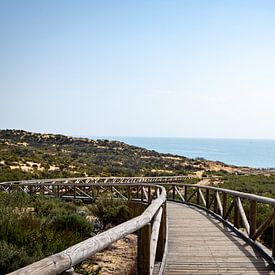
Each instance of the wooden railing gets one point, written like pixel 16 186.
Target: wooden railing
pixel 237 209
pixel 151 225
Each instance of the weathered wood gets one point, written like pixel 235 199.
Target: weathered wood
pixel 236 214
pixel 224 204
pixel 129 193
pixel 198 196
pixel 119 193
pixel 204 246
pixel 202 198
pixel 178 192
pixel 145 194
pixel 215 202
pixel 73 255
pixel 243 215
pixel 162 235
pixel 144 250
pixel 173 192
pixel 149 194
pixel 262 228
pixel 252 218
pixel 185 192
pixel 192 195
pixel 219 202
pixel 207 199
pixel 74 187
pixel 229 210
pixel 154 238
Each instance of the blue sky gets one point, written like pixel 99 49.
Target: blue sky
pixel 184 68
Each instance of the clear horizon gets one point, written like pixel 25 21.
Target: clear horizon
pixel 181 69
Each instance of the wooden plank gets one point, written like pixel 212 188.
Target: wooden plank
pixel 198 244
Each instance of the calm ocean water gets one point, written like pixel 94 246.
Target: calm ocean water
pixel 241 152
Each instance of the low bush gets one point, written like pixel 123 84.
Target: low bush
pixel 110 210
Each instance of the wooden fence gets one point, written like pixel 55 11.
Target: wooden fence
pixel 151 226
pixel 238 210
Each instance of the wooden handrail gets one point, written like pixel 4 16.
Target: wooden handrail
pixel 65 260
pixel 100 180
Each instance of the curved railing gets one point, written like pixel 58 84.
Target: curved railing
pixel 151 225
pixel 237 209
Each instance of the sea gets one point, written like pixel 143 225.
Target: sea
pixel 256 153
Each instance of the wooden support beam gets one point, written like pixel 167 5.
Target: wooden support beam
pixel 252 218
pixel 145 194
pixel 215 203
pixel 236 214
pixel 129 193
pixel 149 194
pixel 243 215
pixel 224 204
pixel 178 192
pixel 202 198
pixel 219 203
pixel 198 196
pixel 162 234
pixel 207 199
pixel 154 238
pixel 192 195
pixel 262 228
pixel 229 210
pixel 185 192
pixel 174 193
pixel 144 251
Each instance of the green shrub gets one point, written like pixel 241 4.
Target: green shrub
pixel 12 257
pixel 111 210
pixel 66 221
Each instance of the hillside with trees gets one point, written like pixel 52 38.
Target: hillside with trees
pixel 25 155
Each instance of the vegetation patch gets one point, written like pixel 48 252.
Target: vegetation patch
pixel 32 228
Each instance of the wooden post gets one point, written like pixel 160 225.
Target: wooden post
pixel 129 193
pixel 162 234
pixel 149 194
pixel 141 194
pixel 74 192
pixel 93 192
pixel 252 218
pixel 143 256
pixel 207 198
pixel 174 192
pixel 185 193
pixel 215 203
pixel 224 204
pixel 156 193
pixel 236 214
pixel 198 196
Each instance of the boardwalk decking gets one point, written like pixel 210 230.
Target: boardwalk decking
pixel 199 244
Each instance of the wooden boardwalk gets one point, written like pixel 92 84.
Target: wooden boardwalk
pixel 199 244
